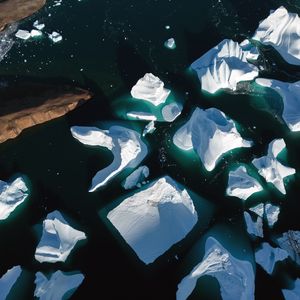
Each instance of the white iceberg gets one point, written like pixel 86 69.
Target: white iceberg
pixel 154 219
pixel 150 88
pixel 293 294
pixel 281 31
pixel 251 51
pixel 38 25
pixel 125 144
pixel 258 209
pixel 211 134
pixel 236 277
pixel 8 280
pixel 11 196
pixel 59 286
pixel 149 128
pixel 170 43
pixel 224 66
pixel 171 111
pixel 35 33
pixel 140 115
pixel 290 241
pixel 272 213
pixel 58 239
pixel 290 97
pixel 55 37
pixel 136 177
pixel 271 169
pixel 268 256
pixel 254 228
pixel 23 34
pixel 242 185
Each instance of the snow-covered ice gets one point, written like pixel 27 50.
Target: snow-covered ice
pixel 254 228
pixel 271 169
pixel 58 239
pixel 258 209
pixel 149 128
pixel 272 213
pixel 140 115
pixel 171 111
pixel 125 144
pixel 236 277
pixel 38 25
pixel 35 33
pixel 211 134
pixel 137 176
pixel 23 34
pixel 150 88
pixel 293 294
pixel 154 219
pixel 8 280
pixel 55 37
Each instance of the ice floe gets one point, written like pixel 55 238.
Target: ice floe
pixel 272 213
pixel 290 97
pixel 137 176
pixel 150 88
pixel 224 66
pixel 11 196
pixel 59 286
pixel 281 31
pixel 267 256
pixel 236 277
pixel 55 37
pixel 254 228
pixel 170 43
pixel 7 40
pixel 271 169
pixel 258 209
pixel 242 185
pixel 293 294
pixel 140 115
pixel 154 219
pixel 211 134
pixel 171 111
pixel 149 128
pixel 8 280
pixel 125 144
pixel 37 25
pixel 23 34
pixel 58 239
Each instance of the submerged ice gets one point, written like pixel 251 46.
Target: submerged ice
pixel 136 177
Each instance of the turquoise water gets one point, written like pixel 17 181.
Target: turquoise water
pixel 107 46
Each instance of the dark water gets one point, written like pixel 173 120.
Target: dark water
pixel 107 46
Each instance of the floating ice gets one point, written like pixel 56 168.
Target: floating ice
pixel 268 256
pixel 252 52
pixel 236 277
pixel 241 185
pixel 149 128
pixel 58 239
pixel 211 134
pixel 271 169
pixel 55 37
pixel 254 228
pixel 11 196
pixel 59 286
pixel 290 97
pixel 126 145
pixel 170 43
pixel 171 111
pixel 224 66
pixel 23 34
pixel 281 31
pixel 137 176
pixel 139 115
pixel 258 209
pixel 272 213
pixel 150 88
pixel 154 219
pixel 38 25
pixel 8 280
pixel 293 294
pixel 6 40
pixel 35 33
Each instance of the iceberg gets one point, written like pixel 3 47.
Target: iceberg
pixel 254 228
pixel 58 239
pixel 236 277
pixel 271 169
pixel 139 115
pixel 35 33
pixel 154 219
pixel 293 294
pixel 281 31
pixel 55 37
pixel 251 51
pixel 242 185
pixel 289 93
pixel 59 286
pixel 290 241
pixel 170 43
pixel 258 209
pixel 8 280
pixel 136 177
pixel 7 40
pixel 224 66
pixel 150 88
pixel 125 144
pixel 272 213
pixel 211 134
pixel 23 34
pixel 171 111
pixel 268 256
pixel 11 196
pixel 37 25
pixel 149 128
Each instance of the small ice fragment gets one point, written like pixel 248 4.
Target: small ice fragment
pixel 55 37
pixel 272 213
pixel 136 177
pixel 23 34
pixel 170 43
pixel 171 111
pixel 149 128
pixel 38 26
pixel 35 33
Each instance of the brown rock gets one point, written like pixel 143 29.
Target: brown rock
pixel 25 105
pixel 15 10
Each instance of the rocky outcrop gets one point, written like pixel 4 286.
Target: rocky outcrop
pixel 25 105
pixel 15 10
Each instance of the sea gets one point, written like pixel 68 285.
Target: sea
pixel 107 46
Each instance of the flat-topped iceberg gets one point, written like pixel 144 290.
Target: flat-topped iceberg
pixel 290 97
pixel 254 228
pixel 211 134
pixel 8 280
pixel 258 209
pixel 236 277
pixel 281 31
pixel 140 115
pixel 271 169
pixel 136 177
pixel 11 196
pixel 59 286
pixel 149 128
pixel 58 239
pixel 125 144
pixel 272 213
pixel 171 111
pixel 267 256
pixel 155 218
pixel 293 294
pixel 224 66
pixel 242 185
pixel 150 88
